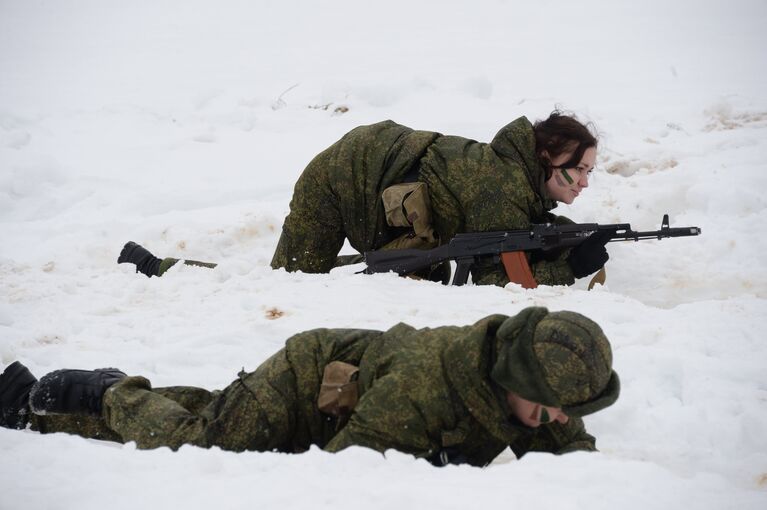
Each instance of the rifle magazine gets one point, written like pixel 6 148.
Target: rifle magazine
pixel 518 269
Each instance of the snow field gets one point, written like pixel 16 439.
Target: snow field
pixel 183 126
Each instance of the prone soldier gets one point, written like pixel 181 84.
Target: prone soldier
pixel 449 394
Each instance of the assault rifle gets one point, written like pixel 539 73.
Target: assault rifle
pixel 510 246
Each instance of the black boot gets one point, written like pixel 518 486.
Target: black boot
pixel 146 263
pixel 15 385
pixel 72 391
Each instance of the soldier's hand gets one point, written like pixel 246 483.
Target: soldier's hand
pixel 590 255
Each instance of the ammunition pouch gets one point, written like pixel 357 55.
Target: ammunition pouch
pixel 407 206
pixel 339 391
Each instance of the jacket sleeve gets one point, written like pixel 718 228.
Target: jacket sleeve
pixel 553 270
pixel 313 231
pixel 385 418
pixel 559 438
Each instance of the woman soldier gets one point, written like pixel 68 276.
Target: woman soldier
pixel 386 186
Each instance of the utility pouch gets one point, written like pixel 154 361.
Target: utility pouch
pixel 407 205
pixel 339 390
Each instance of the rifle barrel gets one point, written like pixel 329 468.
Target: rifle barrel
pixel 663 233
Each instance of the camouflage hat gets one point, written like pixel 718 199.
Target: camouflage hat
pixel 559 359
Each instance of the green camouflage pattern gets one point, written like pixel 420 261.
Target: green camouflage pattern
pixel 560 359
pixel 169 262
pixel 425 392
pixel 575 356
pixel 91 427
pixel 473 187
pixel 338 196
pixel 479 187
pixel 94 427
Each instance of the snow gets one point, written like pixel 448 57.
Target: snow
pixel 184 125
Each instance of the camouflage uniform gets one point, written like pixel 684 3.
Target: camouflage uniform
pixel 473 187
pixel 436 393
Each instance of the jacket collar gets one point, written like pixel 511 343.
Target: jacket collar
pixel 469 360
pixel 516 142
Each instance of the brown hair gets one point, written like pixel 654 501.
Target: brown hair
pixel 559 134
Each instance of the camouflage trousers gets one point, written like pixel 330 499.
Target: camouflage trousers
pixel 169 262
pixel 259 411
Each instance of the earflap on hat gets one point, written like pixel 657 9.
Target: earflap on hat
pixel 517 368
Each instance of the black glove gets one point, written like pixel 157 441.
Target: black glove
pixel 589 256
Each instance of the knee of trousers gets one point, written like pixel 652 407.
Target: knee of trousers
pixel 116 395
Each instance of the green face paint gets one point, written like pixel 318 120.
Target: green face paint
pixel 545 415
pixel 567 176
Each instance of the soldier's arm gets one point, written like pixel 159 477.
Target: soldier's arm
pixel 313 231
pixel 559 438
pixel 552 268
pixel 385 418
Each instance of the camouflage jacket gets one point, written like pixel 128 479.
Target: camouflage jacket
pixel 473 187
pixel 424 392
pixel 479 187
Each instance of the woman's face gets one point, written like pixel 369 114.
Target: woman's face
pixel 533 414
pixel 566 184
